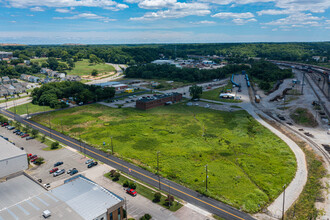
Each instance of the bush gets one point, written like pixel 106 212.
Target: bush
pixel 126 183
pixel 116 176
pixel 157 197
pixel 39 161
pixel 34 132
pixel 146 217
pixel 169 200
pixel 132 185
pixel 112 172
pixel 54 145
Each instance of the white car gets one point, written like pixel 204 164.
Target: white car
pixel 89 161
pixel 59 172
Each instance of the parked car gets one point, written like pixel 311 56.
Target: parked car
pixel 34 159
pixel 92 164
pixel 73 172
pixel 59 172
pixel 29 138
pixel 58 163
pixel 29 155
pixel 132 192
pixel 53 170
pixel 10 127
pixel 25 135
pixel 69 171
pixel 4 124
pixel 33 156
pixel 47 185
pixel 89 161
pixel 15 131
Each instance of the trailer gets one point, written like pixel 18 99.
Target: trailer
pixel 257 98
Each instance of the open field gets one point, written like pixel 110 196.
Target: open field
pixel 83 67
pixel 247 164
pixel 22 109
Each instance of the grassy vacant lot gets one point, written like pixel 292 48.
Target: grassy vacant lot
pixel 83 67
pixel 215 93
pixel 247 164
pixel 304 117
pixel 22 109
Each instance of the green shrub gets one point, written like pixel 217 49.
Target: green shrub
pixel 116 176
pixel 39 161
pixel 126 183
pixel 157 197
pixel 146 217
pixel 132 185
pixel 54 145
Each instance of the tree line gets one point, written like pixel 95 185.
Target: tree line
pixel 171 72
pixel 49 94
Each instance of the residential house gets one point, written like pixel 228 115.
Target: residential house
pixel 5 80
pixel 72 78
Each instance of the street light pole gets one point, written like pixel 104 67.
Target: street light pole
pixel 27 111
pixel 111 146
pixel 50 126
pixel 158 170
pixel 206 177
pixel 283 201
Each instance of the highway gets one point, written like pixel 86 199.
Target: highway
pixel 188 195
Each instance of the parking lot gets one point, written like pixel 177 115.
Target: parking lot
pixel 127 102
pixel 70 158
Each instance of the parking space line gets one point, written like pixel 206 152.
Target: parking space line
pixel 45 203
pixel 33 205
pixel 53 198
pixel 23 210
pixel 12 214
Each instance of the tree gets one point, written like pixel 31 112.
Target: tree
pixel 54 145
pixel 157 197
pixel 146 217
pixel 116 176
pixel 169 200
pixel 35 132
pixel 195 91
pixel 132 185
pixel 39 161
pixel 95 72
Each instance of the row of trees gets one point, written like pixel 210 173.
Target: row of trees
pixel 171 72
pixel 49 94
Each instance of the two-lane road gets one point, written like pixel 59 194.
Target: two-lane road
pixel 211 205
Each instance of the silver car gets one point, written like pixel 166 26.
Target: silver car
pixel 59 172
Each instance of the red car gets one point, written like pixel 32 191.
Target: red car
pixel 53 170
pixel 4 124
pixel 25 135
pixel 131 192
pixel 34 159
pixel 29 155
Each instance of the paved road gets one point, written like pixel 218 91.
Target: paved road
pixel 211 205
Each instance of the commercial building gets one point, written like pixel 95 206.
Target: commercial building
pixel 12 159
pixel 77 199
pixel 8 55
pixel 158 100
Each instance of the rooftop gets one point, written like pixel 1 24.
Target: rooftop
pixel 8 150
pixel 155 97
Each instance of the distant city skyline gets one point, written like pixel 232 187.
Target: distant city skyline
pixel 163 21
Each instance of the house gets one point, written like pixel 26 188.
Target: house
pixel 120 87
pixel 24 77
pixel 5 80
pixel 45 70
pixel 34 79
pixel 27 62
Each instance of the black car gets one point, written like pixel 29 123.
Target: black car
pixel 92 164
pixel 58 163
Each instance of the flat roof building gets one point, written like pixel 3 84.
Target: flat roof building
pixel 12 159
pixel 77 199
pixel 4 54
pixel 158 100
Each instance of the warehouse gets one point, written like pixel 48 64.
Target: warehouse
pixel 158 100
pixel 12 159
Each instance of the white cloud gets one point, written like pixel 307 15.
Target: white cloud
pixel 203 22
pixel 12 21
pixel 274 12
pixel 225 15
pixel 64 3
pixel 37 9
pixel 157 4
pixel 296 20
pixel 177 10
pixel 63 10
pixel 89 16
pixel 240 21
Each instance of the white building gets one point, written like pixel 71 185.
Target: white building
pixel 12 159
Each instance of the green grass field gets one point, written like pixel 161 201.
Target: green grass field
pixel 247 164
pixel 215 93
pixel 85 68
pixel 22 109
pixel 304 117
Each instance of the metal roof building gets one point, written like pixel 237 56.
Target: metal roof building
pixel 12 159
pixel 88 199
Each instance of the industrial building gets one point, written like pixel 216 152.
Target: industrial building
pixel 12 159
pixel 77 199
pixel 158 100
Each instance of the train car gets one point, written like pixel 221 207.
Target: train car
pixel 257 98
pixel 232 81
pixel 248 83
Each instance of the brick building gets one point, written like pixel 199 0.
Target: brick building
pixel 158 100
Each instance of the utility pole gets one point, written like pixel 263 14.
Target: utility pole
pixel 206 177
pixel 169 193
pixel 50 126
pixel 111 146
pixel 158 170
pixel 303 82
pixel 283 201
pixel 27 111
pixel 62 125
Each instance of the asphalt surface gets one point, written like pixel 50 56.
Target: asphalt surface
pixel 211 205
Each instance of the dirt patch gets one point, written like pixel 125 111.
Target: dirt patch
pixel 303 116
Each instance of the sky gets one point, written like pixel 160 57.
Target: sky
pixel 163 21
